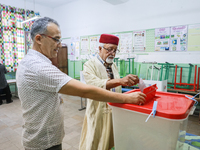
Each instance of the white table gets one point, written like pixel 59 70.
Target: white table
pixel 13 81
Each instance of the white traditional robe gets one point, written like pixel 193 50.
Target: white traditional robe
pixel 97 131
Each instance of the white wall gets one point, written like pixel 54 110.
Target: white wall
pixel 44 10
pixel 89 17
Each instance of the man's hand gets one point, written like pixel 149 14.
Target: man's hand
pixel 135 98
pixel 129 80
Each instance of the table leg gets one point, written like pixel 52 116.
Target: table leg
pixel 82 107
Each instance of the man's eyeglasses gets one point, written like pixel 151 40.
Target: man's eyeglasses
pixel 112 50
pixel 58 41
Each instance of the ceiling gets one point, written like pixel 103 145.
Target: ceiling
pixel 116 2
pixel 50 3
pixel 56 3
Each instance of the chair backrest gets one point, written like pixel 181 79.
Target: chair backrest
pixel 82 77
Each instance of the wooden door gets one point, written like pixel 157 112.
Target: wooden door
pixel 61 61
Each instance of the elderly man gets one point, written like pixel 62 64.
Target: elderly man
pixel 4 87
pixel 97 132
pixel 39 83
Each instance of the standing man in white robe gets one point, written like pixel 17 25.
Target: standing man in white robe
pixel 97 130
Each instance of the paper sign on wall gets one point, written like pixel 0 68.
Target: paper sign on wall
pixel 178 39
pixel 126 43
pixel 162 36
pixel 94 46
pixel 194 37
pixel 139 40
pixel 84 48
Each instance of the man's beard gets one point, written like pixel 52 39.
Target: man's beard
pixel 109 60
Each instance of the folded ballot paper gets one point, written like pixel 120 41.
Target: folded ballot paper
pixel 141 85
pixel 149 91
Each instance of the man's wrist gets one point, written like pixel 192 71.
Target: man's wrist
pixel 119 82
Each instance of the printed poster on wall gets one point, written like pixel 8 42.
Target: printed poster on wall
pixel 94 46
pixel 71 52
pixel 139 40
pixel 194 37
pixel 162 36
pixel 74 51
pixel 126 42
pixel 77 50
pixel 125 45
pixel 84 48
pixel 178 38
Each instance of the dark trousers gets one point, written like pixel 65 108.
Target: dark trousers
pixel 57 147
pixel 8 95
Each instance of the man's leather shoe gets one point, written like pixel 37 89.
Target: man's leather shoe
pixel 10 101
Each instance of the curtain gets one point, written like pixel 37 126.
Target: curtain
pixel 12 35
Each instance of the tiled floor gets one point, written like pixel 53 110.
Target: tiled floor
pixel 11 122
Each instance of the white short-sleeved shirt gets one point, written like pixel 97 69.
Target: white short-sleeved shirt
pixel 38 83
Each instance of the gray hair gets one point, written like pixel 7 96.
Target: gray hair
pixel 102 44
pixel 40 26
